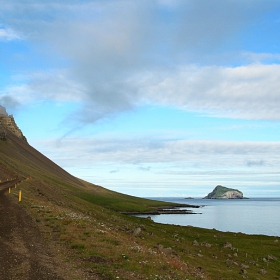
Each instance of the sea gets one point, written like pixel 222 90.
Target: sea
pixel 250 216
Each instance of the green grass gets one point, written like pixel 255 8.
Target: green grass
pixel 123 203
pixel 78 246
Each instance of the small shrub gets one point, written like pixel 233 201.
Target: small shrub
pixel 78 246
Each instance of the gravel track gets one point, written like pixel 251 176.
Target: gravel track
pixel 23 252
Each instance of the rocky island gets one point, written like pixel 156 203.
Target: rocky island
pixel 221 192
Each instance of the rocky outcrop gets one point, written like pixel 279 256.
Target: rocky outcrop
pixel 3 133
pixel 221 192
pixel 7 122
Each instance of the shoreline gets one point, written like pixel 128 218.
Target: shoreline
pixel 164 210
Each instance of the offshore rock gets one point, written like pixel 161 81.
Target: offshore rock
pixel 221 192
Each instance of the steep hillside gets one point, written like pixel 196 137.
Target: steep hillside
pixel 20 159
pixel 23 159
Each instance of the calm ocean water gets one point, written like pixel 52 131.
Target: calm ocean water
pixel 251 216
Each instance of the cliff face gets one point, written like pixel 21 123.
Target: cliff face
pixel 221 192
pixel 8 122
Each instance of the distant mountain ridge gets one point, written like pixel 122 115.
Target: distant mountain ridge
pixel 221 192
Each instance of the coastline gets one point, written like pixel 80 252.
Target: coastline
pixel 164 210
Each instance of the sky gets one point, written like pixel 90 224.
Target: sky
pixel 151 98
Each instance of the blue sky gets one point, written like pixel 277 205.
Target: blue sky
pixel 148 98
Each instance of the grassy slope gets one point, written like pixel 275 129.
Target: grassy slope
pixel 77 216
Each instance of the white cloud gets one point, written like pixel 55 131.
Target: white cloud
pixel 48 85
pixel 55 86
pixel 261 57
pixel 7 34
pixel 187 153
pixel 249 92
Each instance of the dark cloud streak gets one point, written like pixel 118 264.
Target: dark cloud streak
pixel 9 102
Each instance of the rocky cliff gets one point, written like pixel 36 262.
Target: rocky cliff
pixel 221 192
pixel 8 122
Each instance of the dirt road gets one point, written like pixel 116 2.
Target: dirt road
pixel 23 252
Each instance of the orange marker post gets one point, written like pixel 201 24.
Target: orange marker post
pixel 19 196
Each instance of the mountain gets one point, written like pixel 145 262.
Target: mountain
pixel 221 192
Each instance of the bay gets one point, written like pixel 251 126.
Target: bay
pixel 250 216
